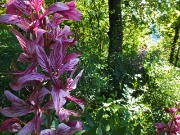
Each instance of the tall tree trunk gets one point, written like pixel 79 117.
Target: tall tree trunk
pixel 115 45
pixel 176 36
pixel 177 57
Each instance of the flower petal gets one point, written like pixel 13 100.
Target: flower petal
pixel 15 127
pixel 64 114
pixel 20 38
pixel 8 124
pixel 58 96
pixel 14 111
pixel 56 57
pixel 14 19
pixel 56 7
pixel 42 59
pixel 23 5
pixel 39 36
pixel 48 105
pixel 14 99
pixel 36 5
pixel 36 98
pixel 24 57
pixel 71 84
pixel 68 66
pixel 11 9
pixel 43 92
pixel 62 129
pixel 29 69
pixel 14 85
pixel 27 129
pixel 78 101
pixel 73 13
pixel 48 132
pixel 71 56
pixel 75 126
pixel 69 128
pixel 55 21
pixel 31 77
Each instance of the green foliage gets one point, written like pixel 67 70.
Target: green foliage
pixel 93 44
pixel 123 117
pixel 9 51
pixel 163 85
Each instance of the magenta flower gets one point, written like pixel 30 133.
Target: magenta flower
pixel 11 124
pixel 160 127
pixel 171 110
pixel 173 126
pixel 64 129
pixel 20 108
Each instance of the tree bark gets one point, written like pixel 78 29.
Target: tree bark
pixel 115 45
pixel 176 36
pixel 177 57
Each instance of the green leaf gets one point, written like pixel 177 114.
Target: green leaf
pixel 137 130
pixel 79 132
pixel 89 119
pixel 70 105
pixel 99 130
pixel 103 129
pixel 86 127
pixel 99 114
pixel 92 131
pixel 109 100
pixel 119 131
pixel 55 123
pixel 6 133
pixel 108 127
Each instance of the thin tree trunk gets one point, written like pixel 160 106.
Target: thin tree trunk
pixel 115 45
